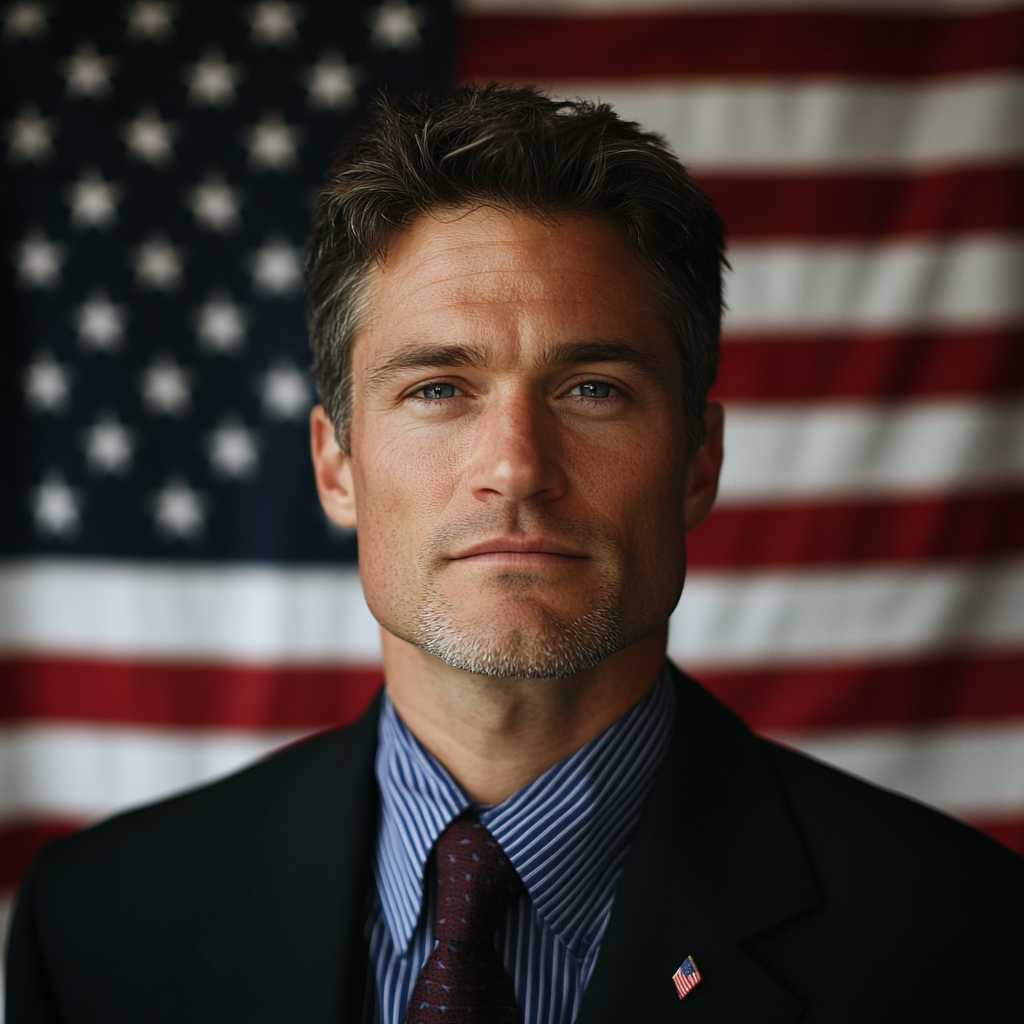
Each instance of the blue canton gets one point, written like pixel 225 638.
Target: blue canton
pixel 567 833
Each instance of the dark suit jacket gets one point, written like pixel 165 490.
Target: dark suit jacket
pixel 803 895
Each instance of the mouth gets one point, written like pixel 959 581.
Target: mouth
pixel 521 552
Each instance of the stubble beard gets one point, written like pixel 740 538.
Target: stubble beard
pixel 549 647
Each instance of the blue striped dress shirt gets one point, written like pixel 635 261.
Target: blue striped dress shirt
pixel 567 833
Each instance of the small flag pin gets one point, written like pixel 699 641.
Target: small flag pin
pixel 687 978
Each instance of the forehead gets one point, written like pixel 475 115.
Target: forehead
pixel 503 273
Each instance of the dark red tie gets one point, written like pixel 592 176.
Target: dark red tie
pixel 464 979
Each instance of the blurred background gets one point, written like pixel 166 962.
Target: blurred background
pixel 172 601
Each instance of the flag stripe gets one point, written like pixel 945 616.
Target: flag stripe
pixel 685 44
pixel 774 618
pixel 974 688
pixel 865 206
pixel 923 363
pixel 586 9
pixel 969 280
pixel 761 127
pixel 901 531
pixel 778 454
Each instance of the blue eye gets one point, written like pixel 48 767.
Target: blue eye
pixel 433 391
pixel 593 389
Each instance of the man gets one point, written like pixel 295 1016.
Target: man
pixel 515 307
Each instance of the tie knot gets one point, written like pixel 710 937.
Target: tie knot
pixel 476 882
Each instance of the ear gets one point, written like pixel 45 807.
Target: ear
pixel 332 468
pixel 703 469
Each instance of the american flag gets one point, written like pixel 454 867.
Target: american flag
pixel 172 601
pixel 687 978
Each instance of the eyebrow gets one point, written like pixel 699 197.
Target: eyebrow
pixel 428 357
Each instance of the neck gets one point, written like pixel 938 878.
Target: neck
pixel 495 736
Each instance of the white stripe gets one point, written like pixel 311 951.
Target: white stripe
pixel 241 614
pixel 778 454
pixel 592 8
pixel 85 772
pixel 972 280
pixel 736 620
pixel 763 126
pixel 968 770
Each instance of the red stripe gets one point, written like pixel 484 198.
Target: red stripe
pixel 85 690
pixel 904 531
pixel 20 843
pixel 934 363
pixel 560 49
pixel 976 688
pixel 1008 831
pixel 861 206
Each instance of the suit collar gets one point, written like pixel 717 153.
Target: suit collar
pixel 716 859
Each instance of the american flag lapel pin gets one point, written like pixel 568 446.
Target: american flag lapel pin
pixel 687 978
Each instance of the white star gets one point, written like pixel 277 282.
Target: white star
pixel 39 260
pixel 100 323
pixel 47 384
pixel 26 20
pixel 272 143
pixel 88 74
pixel 331 83
pixel 286 392
pixel 178 511
pixel 30 137
pixel 150 19
pixel 157 264
pixel 277 268
pixel 93 200
pixel 55 507
pixel 220 324
pixel 233 450
pixel 395 25
pixel 214 203
pixel 149 138
pixel 273 22
pixel 109 445
pixel 212 81
pixel 166 388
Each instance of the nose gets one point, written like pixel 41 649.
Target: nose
pixel 516 452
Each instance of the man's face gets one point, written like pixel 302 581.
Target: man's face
pixel 518 454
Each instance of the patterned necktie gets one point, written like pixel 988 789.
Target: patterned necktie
pixel 464 979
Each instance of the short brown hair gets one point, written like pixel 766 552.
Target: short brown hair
pixel 515 149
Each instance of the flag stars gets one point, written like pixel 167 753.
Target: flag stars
pixel 166 388
pixel 331 83
pixel 233 450
pixel 215 204
pixel 277 268
pixel 179 511
pixel 272 143
pixel 152 20
pixel 220 325
pixel 274 22
pixel 26 21
pixel 56 507
pixel 149 138
pixel 39 260
pixel 213 81
pixel 47 384
pixel 395 25
pixel 109 446
pixel 93 201
pixel 30 137
pixel 100 323
pixel 158 264
pixel 285 392
pixel 88 74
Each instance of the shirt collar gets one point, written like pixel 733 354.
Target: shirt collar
pixel 567 833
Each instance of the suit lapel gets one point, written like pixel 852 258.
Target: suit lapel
pixel 716 859
pixel 286 935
